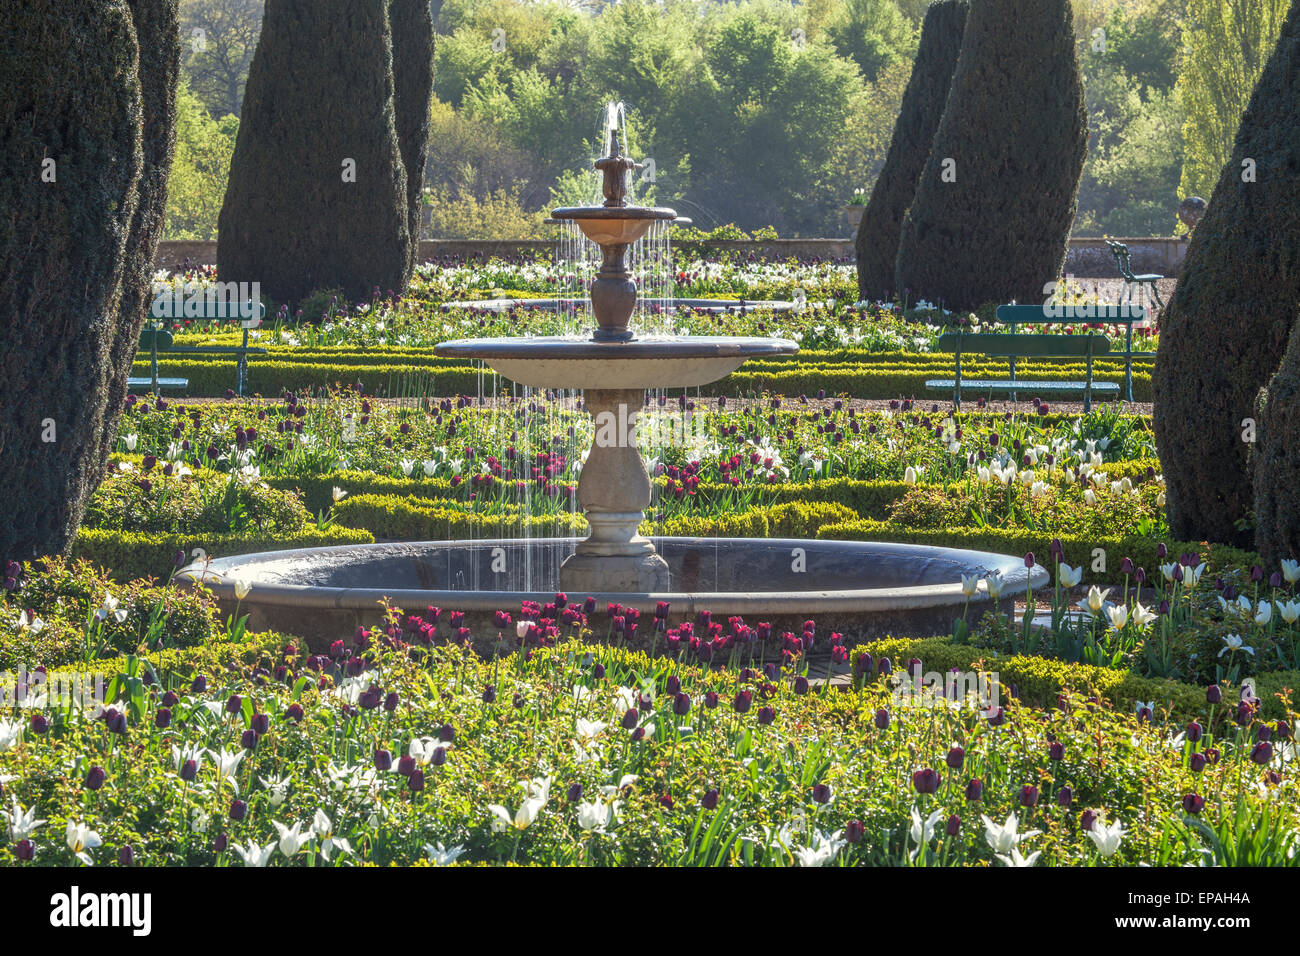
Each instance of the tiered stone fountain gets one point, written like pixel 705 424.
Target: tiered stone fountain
pixel 613 368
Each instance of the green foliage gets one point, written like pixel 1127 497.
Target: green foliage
pixel 876 244
pixel 1015 126
pixel 1237 304
pixel 873 34
pixel 200 169
pixel 213 503
pixel 131 555
pixel 216 61
pixel 1228 43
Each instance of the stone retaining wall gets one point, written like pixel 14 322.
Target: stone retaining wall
pixel 1086 258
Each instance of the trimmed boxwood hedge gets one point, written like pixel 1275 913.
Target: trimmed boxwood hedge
pixel 415 518
pixel 1039 680
pixel 129 555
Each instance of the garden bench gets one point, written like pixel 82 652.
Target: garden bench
pixel 214 311
pixel 1125 315
pixel 1010 345
pixel 1121 254
pixel 154 341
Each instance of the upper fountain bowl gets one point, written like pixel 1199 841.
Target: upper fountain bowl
pixel 614 225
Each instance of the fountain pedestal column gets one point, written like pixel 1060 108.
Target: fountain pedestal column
pixel 614 491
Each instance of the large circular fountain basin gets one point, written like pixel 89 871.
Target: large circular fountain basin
pixel 651 362
pixel 864 590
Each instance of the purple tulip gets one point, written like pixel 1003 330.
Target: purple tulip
pixel 95 779
pixel 926 780
pixel 1193 803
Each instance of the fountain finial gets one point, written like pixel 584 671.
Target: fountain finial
pixel 615 166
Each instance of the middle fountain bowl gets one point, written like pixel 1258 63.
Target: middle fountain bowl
pixel 613 368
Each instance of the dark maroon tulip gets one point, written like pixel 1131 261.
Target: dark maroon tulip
pixel 926 780
pixel 1193 803
pixel 235 704
pixel 294 712
pixel 383 760
pixel 914 667
pixel 1197 762
pixel 575 793
pixel 1056 751
pixel 220 843
pixel 25 851
pixel 882 719
pixel 1264 733
pixel 631 718
pixel 126 855
pixel 416 780
pixel 489 694
pixel 1244 713
pixel 260 724
pixel 1212 754
pixel 447 733
pixel 1029 560
pixel 189 770
pixel 710 799
pixel 117 723
pixel 854 830
pixel 1064 797
pixel 821 793
pixel 1262 753
pixel 666 801
pixel 518 701
pixel 711 699
pixel 162 719
pixel 766 715
pixel 40 723
pixel 248 739
pixel 406 765
pixel 682 705
pixel 956 758
pixel 238 810
pixel 170 699
pixel 1028 795
pixel 1087 819
pixel 801 685
pixel 1213 694
pixel 885 666
pixel 598 672
pixel 95 779
pixel 673 684
pixel 954 825
pixel 1194 732
pixel 742 702
pixel 439 757
pixel 997 716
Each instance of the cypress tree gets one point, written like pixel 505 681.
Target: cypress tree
pixel 317 191
pixel 1277 461
pixel 993 209
pixel 918 118
pixel 71 233
pixel 158 36
pixel 1226 328
pixel 412 27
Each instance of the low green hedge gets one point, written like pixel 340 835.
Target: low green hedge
pixel 415 518
pixel 1039 680
pixel 129 555
pixel 183 663
pixel 1079 550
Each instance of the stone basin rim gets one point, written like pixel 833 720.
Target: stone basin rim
pixel 865 600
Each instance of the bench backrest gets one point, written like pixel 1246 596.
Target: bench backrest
pixel 1029 314
pixel 155 340
pixel 1002 344
pixel 1122 261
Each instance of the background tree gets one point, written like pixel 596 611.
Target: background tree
pixel 1014 136
pixel 218 55
pixel 873 34
pixel 412 28
pixel 1227 44
pixel 317 194
pixel 72 237
pixel 200 168
pixel 1225 330
pixel 876 243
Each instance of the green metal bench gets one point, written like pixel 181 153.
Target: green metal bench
pixel 215 311
pixel 154 341
pixel 1121 254
pixel 1013 346
pixel 1126 315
